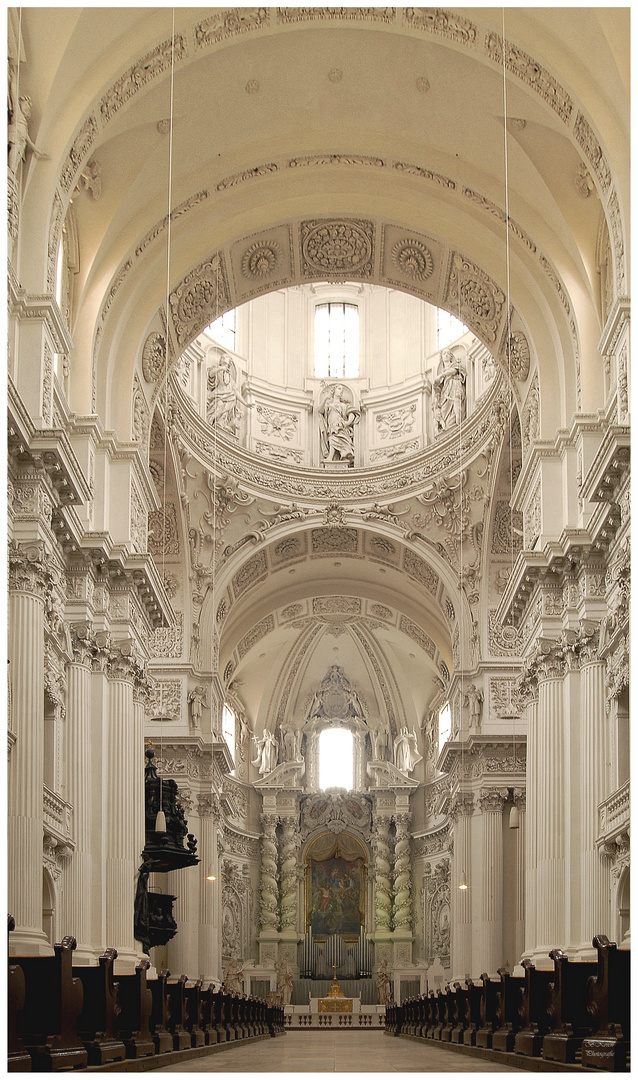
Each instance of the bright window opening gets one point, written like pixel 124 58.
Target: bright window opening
pixel 336 341
pixel 448 329
pixel 336 762
pixel 445 725
pixel 228 729
pixel 224 330
pixel 58 272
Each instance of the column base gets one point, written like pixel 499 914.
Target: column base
pixel 25 942
pixel 127 961
pixel 85 956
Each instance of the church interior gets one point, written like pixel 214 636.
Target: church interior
pixel 318 519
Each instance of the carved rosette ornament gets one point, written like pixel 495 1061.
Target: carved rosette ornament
pixel 269 891
pixel 412 258
pixel 518 357
pixel 382 901
pixel 337 247
pixel 261 260
pixel 154 357
pixel 402 892
pixel 289 873
pixel 476 299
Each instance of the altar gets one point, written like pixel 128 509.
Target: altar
pixel 335 1001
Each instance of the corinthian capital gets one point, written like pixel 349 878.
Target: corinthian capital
pixel 30 569
pixel 492 800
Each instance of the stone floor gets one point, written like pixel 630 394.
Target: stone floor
pixel 338 1051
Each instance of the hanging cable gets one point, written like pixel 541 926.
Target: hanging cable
pixel 160 820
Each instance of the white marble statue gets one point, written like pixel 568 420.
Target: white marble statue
pixel 196 702
pixel 233 977
pixel 284 981
pixel 448 404
pixel 223 402
pixel 474 699
pixel 337 417
pixel 18 131
pixel 267 753
pixel 384 986
pixel 406 753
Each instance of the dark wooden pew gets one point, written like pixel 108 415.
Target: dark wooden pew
pixel 534 1018
pixel 161 1013
pixel 195 1013
pixel 487 1010
pixel 507 1018
pixel 608 1005
pixel 53 1001
pixel 136 1004
pixel 449 1007
pixel 570 1022
pixel 472 1012
pixel 178 1013
pixel 18 1057
pixel 219 1016
pixel 98 1021
pixel 460 1009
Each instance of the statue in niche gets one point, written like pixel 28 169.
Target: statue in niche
pixel 380 743
pixel 384 986
pixel 267 753
pixel 18 131
pixel 449 388
pixel 223 399
pixel 337 417
pixel 196 704
pixel 336 698
pixel 291 743
pixel 474 699
pixel 406 753
pixel 233 977
pixel 284 981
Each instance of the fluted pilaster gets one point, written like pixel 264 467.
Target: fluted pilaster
pixel 594 902
pixel 124 831
pixel 461 813
pixel 550 816
pixel 490 942
pixel 209 949
pixel 26 776
pixel 531 849
pixel 78 899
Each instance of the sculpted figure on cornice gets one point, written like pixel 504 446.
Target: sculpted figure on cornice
pixel 337 811
pixel 336 698
pixel 18 138
pixel 267 753
pixel 224 405
pixel 406 753
pixel 337 417
pixel 449 389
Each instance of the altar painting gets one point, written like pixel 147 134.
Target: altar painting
pixel 336 896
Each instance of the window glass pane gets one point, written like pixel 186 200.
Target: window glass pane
pixel 336 341
pixel 445 725
pixel 228 729
pixel 448 329
pixel 224 329
pixel 335 759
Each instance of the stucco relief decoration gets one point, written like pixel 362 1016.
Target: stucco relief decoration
pixel 282 425
pixel 502 692
pixel 251 571
pixel 229 23
pixel 166 700
pixel 259 630
pixel 436 912
pixel 224 403
pixel 141 414
pixel 201 297
pixel 282 454
pixel 442 23
pixel 416 566
pixel 261 260
pixel 326 541
pixel 507 530
pixel 163 537
pixel 529 71
pixel 398 422
pixel 476 300
pixel 337 247
pixel 502 640
pixel 335 159
pixel 336 699
pixel 588 141
pixel 366 14
pixel 154 357
pixel 139 522
pixel 417 634
pixel 168 641
pixel 81 146
pixel 389 453
pixel 342 811
pixel 330 605
pixel 518 356
pixel 412 258
pixel 153 64
pixel 530 423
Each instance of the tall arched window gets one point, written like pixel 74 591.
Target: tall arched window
pixel 228 730
pixel 336 759
pixel 336 341
pixel 445 725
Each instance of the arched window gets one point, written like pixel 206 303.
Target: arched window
pixel 224 330
pixel 336 341
pixel 228 730
pixel 445 725
pixel 448 328
pixel 336 759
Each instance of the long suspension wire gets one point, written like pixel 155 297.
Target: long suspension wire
pixel 168 286
pixel 509 331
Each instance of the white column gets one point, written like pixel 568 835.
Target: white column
pixel 551 915
pixel 489 954
pixel 78 899
pixel 183 948
pixel 28 581
pixel 209 948
pixel 291 841
pixel 594 901
pixel 461 813
pixel 269 887
pixel 531 853
pixel 521 884
pixel 402 885
pixel 124 827
pixel 382 868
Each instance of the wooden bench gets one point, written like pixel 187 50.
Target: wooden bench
pixel 53 1001
pixel 160 1013
pixel 507 1017
pixel 97 1023
pixel 18 1057
pixel 534 1018
pixel 570 1022
pixel 136 1004
pixel 608 1004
